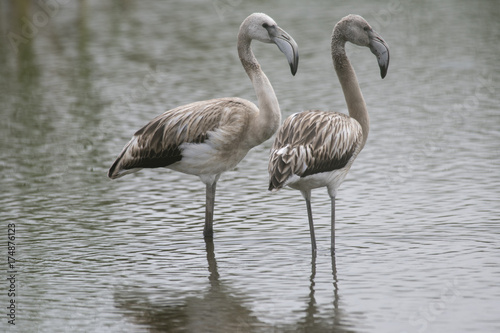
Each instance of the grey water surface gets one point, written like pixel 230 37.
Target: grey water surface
pixel 418 217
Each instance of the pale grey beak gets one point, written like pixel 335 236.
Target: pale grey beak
pixel 380 49
pixel 286 44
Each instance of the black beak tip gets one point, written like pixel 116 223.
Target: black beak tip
pixel 383 72
pixel 294 66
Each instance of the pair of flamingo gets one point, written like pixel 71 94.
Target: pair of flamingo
pixel 312 148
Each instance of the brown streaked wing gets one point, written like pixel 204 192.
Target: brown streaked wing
pixel 158 143
pixel 312 142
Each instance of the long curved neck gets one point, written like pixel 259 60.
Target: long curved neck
pixel 350 86
pixel 269 118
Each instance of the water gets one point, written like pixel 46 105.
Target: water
pixel 418 216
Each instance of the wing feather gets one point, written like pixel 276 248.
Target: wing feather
pixel 159 143
pixel 312 142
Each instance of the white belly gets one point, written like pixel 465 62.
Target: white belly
pixel 331 179
pixel 205 159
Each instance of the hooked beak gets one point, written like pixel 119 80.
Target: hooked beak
pixel 380 49
pixel 287 45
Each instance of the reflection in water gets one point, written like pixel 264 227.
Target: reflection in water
pixel 336 311
pixel 56 114
pixel 404 230
pixel 22 40
pixel 218 309
pixel 24 75
pixel 314 321
pixel 82 79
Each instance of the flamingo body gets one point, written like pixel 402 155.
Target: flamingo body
pixel 207 138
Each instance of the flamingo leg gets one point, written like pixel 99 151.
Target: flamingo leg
pixel 208 231
pixel 333 226
pixel 307 197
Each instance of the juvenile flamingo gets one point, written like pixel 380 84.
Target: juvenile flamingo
pixel 316 148
pixel 209 137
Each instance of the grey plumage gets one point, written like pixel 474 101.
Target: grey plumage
pixel 313 142
pixel 158 144
pixel 210 137
pixel 315 148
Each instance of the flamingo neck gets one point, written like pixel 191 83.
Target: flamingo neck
pixel 350 86
pixel 269 117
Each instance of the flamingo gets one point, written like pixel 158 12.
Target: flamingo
pixel 316 148
pixel 209 137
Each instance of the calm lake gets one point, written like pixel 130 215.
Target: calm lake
pixel 418 217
